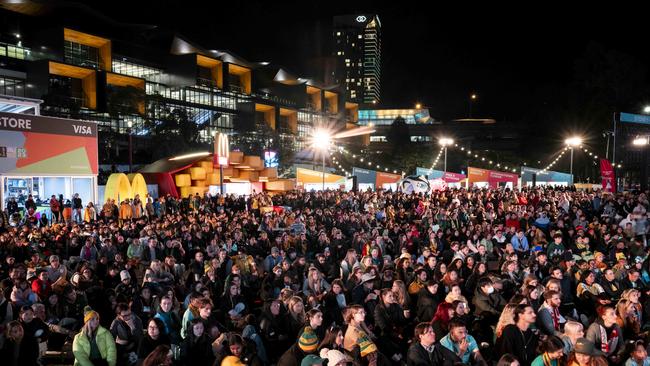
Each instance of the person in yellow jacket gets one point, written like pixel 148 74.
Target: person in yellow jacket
pixel 93 345
pixel 126 212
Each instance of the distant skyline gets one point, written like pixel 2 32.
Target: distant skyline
pixel 438 57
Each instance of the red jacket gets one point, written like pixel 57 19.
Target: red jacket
pixel 42 288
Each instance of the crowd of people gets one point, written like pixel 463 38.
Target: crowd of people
pixel 539 276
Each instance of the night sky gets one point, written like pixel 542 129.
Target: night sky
pixel 515 59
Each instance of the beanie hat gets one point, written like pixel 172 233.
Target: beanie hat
pixel 89 313
pixel 308 341
pixel 125 275
pixel 231 361
pixel 366 346
pixel 333 356
pixel 311 360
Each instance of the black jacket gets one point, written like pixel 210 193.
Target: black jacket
pixel 441 356
pixel 522 345
pixel 427 305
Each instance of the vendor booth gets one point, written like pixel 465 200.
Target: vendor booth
pixel 365 178
pixel 45 156
pixel 544 178
pixel 312 180
pixel 452 180
pixel 185 175
pixel 375 180
pixel 483 178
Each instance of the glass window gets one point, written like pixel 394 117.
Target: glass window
pixel 83 186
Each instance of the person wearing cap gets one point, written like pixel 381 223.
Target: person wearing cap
pixel 93 345
pixel 364 293
pixel 585 353
pixel 125 290
pixel 312 360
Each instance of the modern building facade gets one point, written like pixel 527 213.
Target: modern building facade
pixel 128 80
pixel 357 48
pixel 500 141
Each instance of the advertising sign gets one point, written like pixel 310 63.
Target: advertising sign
pixel 364 176
pixel 548 177
pixel 493 178
pixel 448 177
pixel 47 145
pixel 609 177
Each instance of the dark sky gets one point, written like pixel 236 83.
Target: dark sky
pixel 510 56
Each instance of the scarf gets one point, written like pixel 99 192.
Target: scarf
pixel 607 340
pixel 546 359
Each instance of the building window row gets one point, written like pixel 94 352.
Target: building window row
pixel 81 55
pixel 11 86
pixel 12 51
pixel 132 69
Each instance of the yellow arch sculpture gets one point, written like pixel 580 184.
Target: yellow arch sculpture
pixel 138 186
pixel 118 188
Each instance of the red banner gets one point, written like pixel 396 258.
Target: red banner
pixel 609 178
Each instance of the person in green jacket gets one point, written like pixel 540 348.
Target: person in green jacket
pixel 93 345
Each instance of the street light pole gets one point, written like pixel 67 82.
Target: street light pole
pixel 445 158
pixel 445 142
pixel 129 130
pixel 571 166
pixel 572 142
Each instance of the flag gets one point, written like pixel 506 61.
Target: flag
pixel 609 178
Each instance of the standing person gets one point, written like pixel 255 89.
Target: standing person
pixel 76 208
pixel 55 208
pixel 423 350
pixel 94 344
pixel 18 349
pixel 518 339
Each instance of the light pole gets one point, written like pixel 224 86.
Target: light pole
pixel 129 130
pixel 642 142
pixel 320 142
pixel 444 142
pixel 572 142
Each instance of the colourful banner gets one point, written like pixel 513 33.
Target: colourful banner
pixel 492 177
pixel 548 176
pixel 448 177
pixel 364 176
pixel 386 178
pixel 33 145
pixel 609 177
pixel 314 176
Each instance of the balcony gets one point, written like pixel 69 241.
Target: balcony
pixel 206 82
pixel 236 89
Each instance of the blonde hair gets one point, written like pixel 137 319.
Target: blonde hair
pixel 298 316
pixel 571 329
pixel 507 317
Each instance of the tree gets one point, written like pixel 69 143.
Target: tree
pixel 398 135
pixel 172 129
